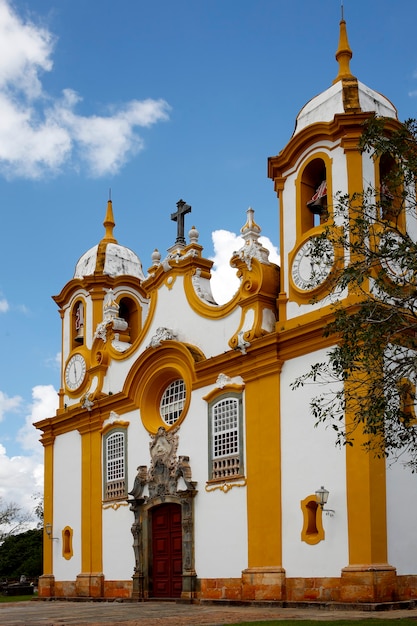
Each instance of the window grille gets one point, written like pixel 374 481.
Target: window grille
pixel 172 402
pixel 115 466
pixel 225 439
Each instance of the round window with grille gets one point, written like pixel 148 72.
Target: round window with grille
pixel 172 402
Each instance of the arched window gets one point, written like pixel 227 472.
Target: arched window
pixel 390 190
pixel 172 401
pixel 130 312
pixel 313 192
pixel 114 452
pixel 225 437
pixel 77 324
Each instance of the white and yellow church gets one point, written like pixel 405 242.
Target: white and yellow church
pixel 180 463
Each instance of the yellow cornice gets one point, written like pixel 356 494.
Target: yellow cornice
pixel 99 346
pixel 116 424
pixel 177 267
pixel 317 133
pixel 304 335
pixel 262 357
pixel 219 391
pixel 96 284
pixel 204 309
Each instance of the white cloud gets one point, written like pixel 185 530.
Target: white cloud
pixel 105 143
pixel 40 135
pixel 21 476
pixel 8 404
pixel 4 305
pixel 25 50
pixel 224 282
pixel 45 404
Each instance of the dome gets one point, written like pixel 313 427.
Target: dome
pixel 346 95
pixel 327 104
pixel 118 261
pixel 109 257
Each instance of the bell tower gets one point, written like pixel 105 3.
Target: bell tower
pixel 321 159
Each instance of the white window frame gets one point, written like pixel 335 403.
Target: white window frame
pixel 114 464
pixel 225 417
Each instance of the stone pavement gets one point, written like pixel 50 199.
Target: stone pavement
pixel 57 613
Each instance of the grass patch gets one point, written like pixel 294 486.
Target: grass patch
pixel 16 598
pixel 336 622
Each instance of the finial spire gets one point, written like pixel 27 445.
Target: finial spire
pixel 344 53
pixel 109 224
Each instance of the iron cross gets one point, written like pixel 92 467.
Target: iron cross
pixel 182 209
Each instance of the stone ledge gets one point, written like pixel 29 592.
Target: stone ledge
pixel 324 606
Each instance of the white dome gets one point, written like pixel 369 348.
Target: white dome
pixel 118 261
pixel 327 104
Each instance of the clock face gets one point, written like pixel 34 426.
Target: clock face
pixel 394 253
pixel 312 264
pixel 75 371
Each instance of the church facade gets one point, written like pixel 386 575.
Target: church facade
pixel 180 463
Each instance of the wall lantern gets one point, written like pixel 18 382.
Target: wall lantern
pixel 48 530
pixel 321 498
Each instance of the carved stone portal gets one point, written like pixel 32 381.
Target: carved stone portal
pixel 161 482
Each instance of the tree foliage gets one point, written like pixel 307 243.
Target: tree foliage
pixel 12 519
pixel 374 294
pixel 21 555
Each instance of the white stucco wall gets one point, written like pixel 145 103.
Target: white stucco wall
pixel 310 460
pixel 174 312
pixel 118 556
pixel 67 503
pixel 402 517
pixel 220 518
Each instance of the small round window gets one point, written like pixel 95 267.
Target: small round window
pixel 172 402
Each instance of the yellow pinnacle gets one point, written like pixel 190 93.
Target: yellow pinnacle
pixel 109 224
pixel 343 54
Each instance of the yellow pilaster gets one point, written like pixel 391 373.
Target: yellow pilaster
pixel 354 168
pixel 46 581
pixel 368 577
pixel 48 505
pixel 264 578
pixel 90 581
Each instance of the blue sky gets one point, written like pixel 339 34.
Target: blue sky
pixel 157 101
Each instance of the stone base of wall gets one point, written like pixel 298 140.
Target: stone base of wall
pixel 84 587
pixel 256 584
pixel 263 583
pixel 310 589
pixel 377 583
pixel 90 585
pixel 46 586
pixel 366 586
pixel 118 588
pixel 65 589
pixel 407 587
pixel 219 588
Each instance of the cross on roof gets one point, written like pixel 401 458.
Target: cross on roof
pixel 178 216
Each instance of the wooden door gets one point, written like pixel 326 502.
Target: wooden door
pixel 166 551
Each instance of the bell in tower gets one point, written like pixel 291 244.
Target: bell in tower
pixel 79 324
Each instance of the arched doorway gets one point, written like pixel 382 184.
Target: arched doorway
pixel 163 530
pixel 166 560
